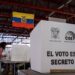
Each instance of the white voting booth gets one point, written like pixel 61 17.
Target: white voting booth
pixel 52 46
pixel 20 53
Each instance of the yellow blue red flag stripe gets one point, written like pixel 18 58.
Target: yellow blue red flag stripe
pixel 15 19
pixel 20 15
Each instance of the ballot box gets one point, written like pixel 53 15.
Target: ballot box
pixel 52 47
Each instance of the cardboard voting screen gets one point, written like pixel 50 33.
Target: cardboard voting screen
pixel 20 53
pixel 52 46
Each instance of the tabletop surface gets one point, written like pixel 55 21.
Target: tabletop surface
pixel 31 72
pixel 9 61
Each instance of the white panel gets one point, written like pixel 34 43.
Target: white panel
pixel 47 37
pixel 36 48
pixel 57 19
pixel 20 53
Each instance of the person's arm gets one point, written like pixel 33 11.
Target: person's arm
pixel 1 50
pixel 3 54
